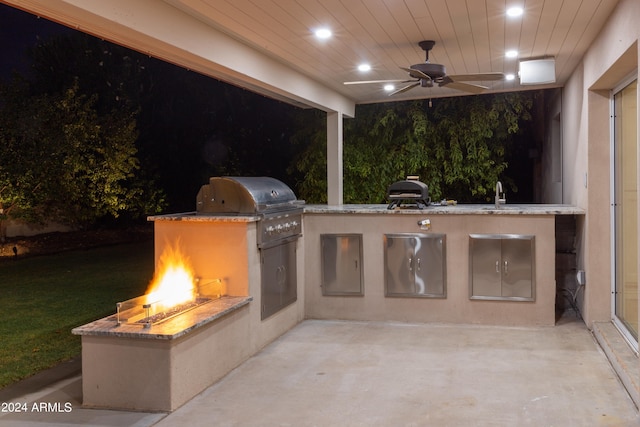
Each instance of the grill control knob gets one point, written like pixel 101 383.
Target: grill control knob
pixel 270 230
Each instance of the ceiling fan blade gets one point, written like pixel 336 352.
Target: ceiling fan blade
pixel 416 74
pixel 406 88
pixel 476 77
pixel 466 87
pixel 366 82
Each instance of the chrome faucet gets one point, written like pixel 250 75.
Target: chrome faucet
pixel 499 201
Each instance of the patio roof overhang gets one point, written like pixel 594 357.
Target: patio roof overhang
pixel 160 30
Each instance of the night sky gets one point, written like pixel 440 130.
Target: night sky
pixel 18 31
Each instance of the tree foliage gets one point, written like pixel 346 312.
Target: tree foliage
pixel 190 126
pixel 61 161
pixel 68 133
pixel 458 147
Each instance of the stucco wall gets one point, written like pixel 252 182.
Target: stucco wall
pixel 550 184
pixel 456 307
pixel 586 139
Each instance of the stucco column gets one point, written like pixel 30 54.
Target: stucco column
pixel 334 158
pixel 597 255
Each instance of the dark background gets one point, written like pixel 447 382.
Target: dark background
pixel 193 126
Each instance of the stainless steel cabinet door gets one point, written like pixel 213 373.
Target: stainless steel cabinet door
pixel 517 267
pixel 486 270
pixel 501 266
pixel 290 273
pixel 341 264
pixel 415 265
pixel 399 274
pixel 279 278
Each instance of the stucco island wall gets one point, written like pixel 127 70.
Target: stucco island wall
pixel 457 223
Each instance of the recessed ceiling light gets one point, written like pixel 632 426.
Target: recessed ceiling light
pixel 364 67
pixel 510 77
pixel 514 11
pixel 389 88
pixel 511 54
pixel 323 33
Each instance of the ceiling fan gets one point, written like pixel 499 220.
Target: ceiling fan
pixel 428 74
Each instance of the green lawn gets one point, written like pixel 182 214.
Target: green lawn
pixel 42 298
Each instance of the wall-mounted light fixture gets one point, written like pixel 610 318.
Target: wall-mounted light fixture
pixel 537 71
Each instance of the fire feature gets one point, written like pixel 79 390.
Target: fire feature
pixel 174 290
pixel 174 281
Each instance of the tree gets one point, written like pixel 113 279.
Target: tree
pixel 190 126
pixel 458 147
pixel 61 161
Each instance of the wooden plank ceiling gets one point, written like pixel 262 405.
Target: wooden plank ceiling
pixel 471 36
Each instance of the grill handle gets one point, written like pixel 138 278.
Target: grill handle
pixel 273 243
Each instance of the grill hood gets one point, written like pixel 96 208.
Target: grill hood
pixel 245 195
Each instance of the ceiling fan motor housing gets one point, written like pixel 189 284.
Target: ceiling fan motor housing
pixel 435 71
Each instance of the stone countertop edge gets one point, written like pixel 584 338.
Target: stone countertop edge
pixel 171 329
pixel 195 217
pixel 460 209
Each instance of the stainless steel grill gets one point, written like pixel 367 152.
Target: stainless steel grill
pixel 273 201
pixel 245 195
pixel 279 226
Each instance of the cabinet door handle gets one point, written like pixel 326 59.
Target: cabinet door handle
pixel 506 267
pixel 281 275
pixel 410 264
pixel 497 266
pixel 356 263
pixel 418 264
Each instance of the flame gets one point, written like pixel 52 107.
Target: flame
pixel 174 280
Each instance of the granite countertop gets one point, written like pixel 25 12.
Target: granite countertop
pixel 170 329
pixel 458 209
pixel 196 217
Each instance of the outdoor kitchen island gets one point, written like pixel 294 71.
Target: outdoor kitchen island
pixel 474 264
pixel 358 262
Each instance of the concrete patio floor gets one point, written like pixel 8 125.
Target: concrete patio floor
pixel 340 373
